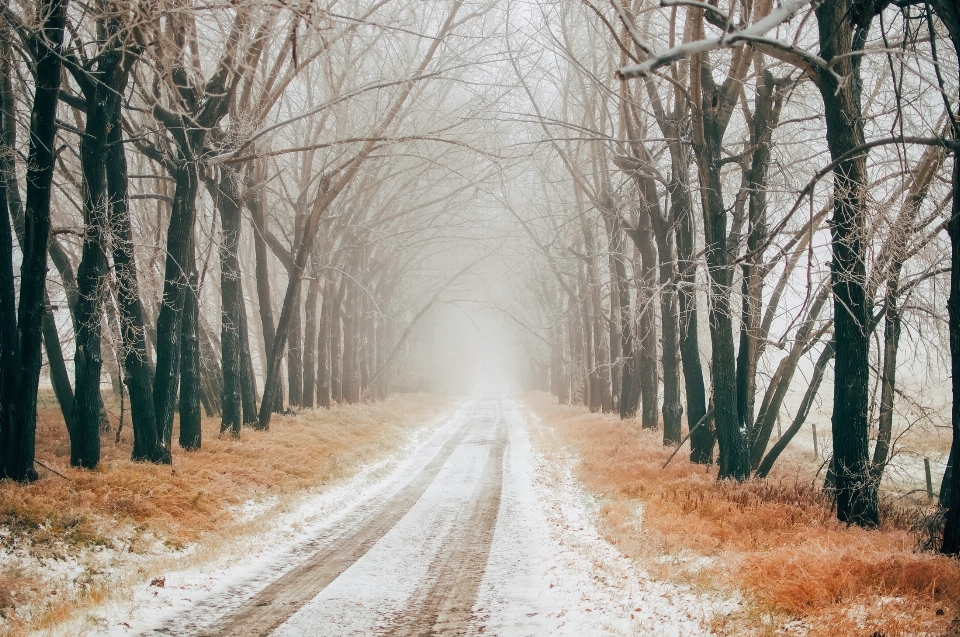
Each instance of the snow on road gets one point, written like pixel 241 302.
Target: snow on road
pixel 497 541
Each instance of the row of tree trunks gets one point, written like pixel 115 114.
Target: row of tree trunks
pixel 678 219
pixel 20 379
pixel 598 367
pixel 11 206
pixel 248 378
pixel 294 354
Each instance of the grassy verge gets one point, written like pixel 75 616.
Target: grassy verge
pixel 776 542
pixel 70 543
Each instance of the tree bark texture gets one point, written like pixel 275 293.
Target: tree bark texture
pixel 310 331
pixel 648 376
pixel 190 384
pixel 949 14
pixel 231 295
pixel 295 354
pixel 101 101
pixel 324 397
pixel 19 439
pixel 248 378
pixel 710 118
pixel 177 269
pixel 147 442
pixel 767 105
pixel 843 25
pixel 703 440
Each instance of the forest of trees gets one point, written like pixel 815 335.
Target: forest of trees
pixel 704 208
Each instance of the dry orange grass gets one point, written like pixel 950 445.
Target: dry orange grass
pixel 776 541
pixel 133 506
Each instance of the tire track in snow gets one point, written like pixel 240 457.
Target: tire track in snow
pixel 445 604
pixel 276 603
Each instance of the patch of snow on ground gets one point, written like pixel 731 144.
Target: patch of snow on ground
pixel 551 573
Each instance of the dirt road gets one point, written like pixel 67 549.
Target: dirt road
pixel 445 513
pixel 475 534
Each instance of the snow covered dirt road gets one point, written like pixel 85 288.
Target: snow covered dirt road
pixel 474 535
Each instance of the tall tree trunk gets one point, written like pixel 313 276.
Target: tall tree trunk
pixel 949 14
pixel 647 359
pixel 231 296
pixel 11 206
pixel 381 388
pixel 248 378
pixel 620 294
pixel 310 344
pixel 618 361
pixel 350 372
pixel 670 329
pixel 336 342
pixel 19 439
pixel 59 377
pixel 324 398
pixel 147 442
pixel 8 316
pixel 600 385
pixel 295 354
pixel 108 340
pixel 258 217
pixel 765 119
pixel 211 376
pixel 703 439
pixel 711 113
pixel 590 378
pixel 843 26
pixel 578 383
pixel 366 328
pixel 888 377
pixel 101 100
pixel 180 247
pixel 336 354
pixel 190 429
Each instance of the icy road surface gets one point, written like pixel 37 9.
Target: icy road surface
pixel 473 534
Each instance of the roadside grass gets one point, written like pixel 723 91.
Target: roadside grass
pixel 57 534
pixel 775 541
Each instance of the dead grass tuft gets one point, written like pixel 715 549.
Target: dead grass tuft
pixel 776 540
